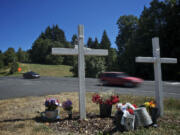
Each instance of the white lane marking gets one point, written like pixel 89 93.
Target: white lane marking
pixel 173 83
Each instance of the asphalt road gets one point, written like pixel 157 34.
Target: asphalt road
pixel 12 87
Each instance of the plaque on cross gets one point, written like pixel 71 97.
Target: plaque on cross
pixel 81 51
pixel 157 70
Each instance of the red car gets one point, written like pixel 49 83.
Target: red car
pixel 119 78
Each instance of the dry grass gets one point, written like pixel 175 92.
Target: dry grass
pixel 18 115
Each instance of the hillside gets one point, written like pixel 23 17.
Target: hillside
pixel 42 69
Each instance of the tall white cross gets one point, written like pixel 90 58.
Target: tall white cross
pixel 157 70
pixel 80 51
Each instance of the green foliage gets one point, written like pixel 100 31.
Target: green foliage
pixel 127 25
pixel 112 60
pixel 13 67
pixel 135 39
pixel 22 56
pixel 9 56
pixel 41 49
pixel 1 60
pixel 105 42
pixel 94 66
pixel 93 44
pixel 89 42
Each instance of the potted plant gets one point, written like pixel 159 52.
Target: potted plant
pixel 67 106
pixel 105 101
pixel 51 111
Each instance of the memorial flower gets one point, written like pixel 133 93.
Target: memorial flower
pixel 105 99
pixel 150 104
pixel 67 105
pixel 127 107
pixel 51 104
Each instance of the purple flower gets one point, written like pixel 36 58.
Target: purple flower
pixel 67 105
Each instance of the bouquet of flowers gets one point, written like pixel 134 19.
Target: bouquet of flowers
pixel 67 106
pixel 150 105
pixel 51 104
pixel 153 111
pixel 127 107
pixel 105 98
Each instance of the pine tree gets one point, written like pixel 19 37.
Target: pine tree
pixel 1 60
pixel 9 56
pixel 105 42
pixel 90 42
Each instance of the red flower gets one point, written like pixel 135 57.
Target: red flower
pixel 99 100
pixel 134 106
pixel 131 111
pixel 115 99
pixel 96 98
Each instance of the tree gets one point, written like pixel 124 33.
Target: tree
pixel 9 56
pixel 105 42
pixel 112 60
pixel 161 20
pixel 13 67
pixel 126 25
pixel 96 43
pixel 22 56
pixel 41 49
pixel 90 42
pixel 74 40
pixel 1 60
pixel 94 66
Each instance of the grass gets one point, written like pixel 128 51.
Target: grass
pixel 43 70
pixel 18 115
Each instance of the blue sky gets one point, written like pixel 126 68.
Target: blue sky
pixel 22 21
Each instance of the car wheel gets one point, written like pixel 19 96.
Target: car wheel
pixel 129 84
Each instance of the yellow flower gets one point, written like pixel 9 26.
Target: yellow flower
pixel 147 104
pixel 153 105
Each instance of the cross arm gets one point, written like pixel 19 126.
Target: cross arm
pixel 97 52
pixel 168 60
pixel 145 59
pixel 64 51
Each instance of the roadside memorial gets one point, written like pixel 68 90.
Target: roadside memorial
pixel 129 116
pixel 81 51
pixel 67 106
pixel 52 110
pixel 156 60
pixel 125 116
pixel 105 101
pixel 153 111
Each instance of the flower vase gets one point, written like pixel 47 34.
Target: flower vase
pixel 51 114
pixel 105 110
pixel 70 114
pixel 154 113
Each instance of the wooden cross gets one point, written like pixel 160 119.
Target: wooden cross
pixel 157 70
pixel 80 51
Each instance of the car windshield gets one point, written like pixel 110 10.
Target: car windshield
pixel 33 73
pixel 121 75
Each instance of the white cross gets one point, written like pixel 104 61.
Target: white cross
pixel 80 51
pixel 157 70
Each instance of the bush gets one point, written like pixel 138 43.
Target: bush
pixel 14 68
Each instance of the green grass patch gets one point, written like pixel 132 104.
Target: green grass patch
pixel 42 69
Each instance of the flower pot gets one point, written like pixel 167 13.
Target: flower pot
pixel 142 116
pixel 154 112
pixel 69 114
pixel 51 115
pixel 105 110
